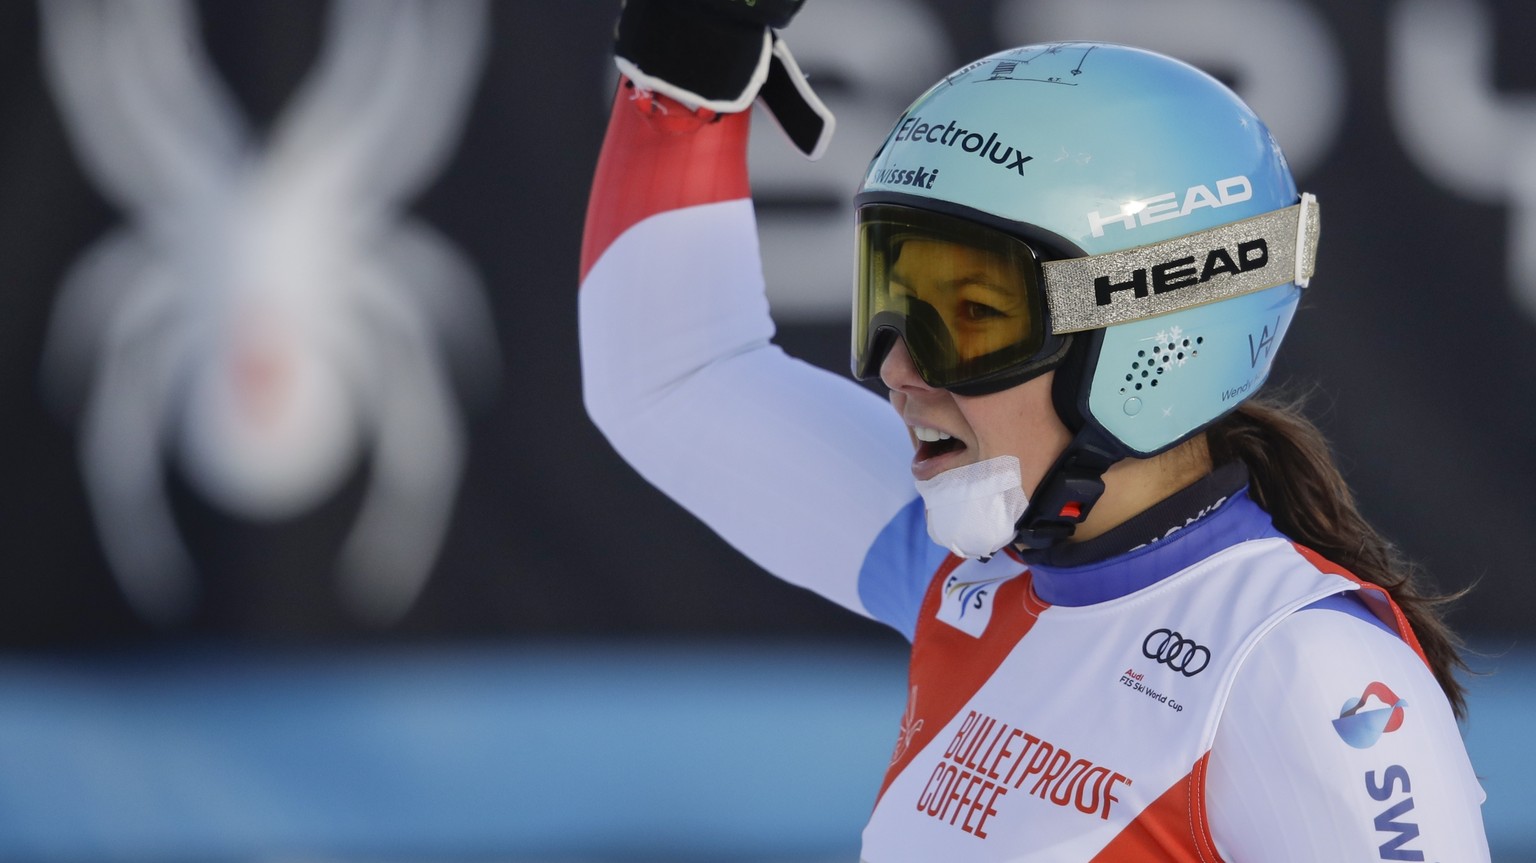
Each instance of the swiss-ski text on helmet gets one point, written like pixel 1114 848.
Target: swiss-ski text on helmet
pixel 920 177
pixel 1171 205
pixel 971 141
pixel 1182 272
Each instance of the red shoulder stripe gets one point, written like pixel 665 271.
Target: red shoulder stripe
pixel 659 156
pixel 1377 599
pixel 1173 828
pixel 948 666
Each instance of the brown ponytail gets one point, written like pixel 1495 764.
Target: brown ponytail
pixel 1295 480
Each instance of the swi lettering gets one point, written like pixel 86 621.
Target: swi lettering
pixel 1392 820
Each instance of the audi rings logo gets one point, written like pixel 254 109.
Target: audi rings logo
pixel 1175 651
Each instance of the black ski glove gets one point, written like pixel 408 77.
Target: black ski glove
pixel 720 55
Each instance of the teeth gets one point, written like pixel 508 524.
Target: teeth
pixel 929 435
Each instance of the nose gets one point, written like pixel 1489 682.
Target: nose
pixel 897 370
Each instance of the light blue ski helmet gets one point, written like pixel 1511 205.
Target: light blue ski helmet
pixel 1085 152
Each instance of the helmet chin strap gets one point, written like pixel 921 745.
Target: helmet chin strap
pixel 1067 492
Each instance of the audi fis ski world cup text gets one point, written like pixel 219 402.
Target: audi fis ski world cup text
pixel 1173 649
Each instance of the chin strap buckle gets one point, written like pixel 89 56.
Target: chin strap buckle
pixel 1067 493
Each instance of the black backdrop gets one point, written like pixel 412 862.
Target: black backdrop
pixel 1413 342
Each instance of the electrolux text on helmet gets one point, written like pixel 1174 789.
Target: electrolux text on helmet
pixel 971 141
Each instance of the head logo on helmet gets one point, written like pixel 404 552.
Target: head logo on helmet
pixel 1170 233
pixel 1232 190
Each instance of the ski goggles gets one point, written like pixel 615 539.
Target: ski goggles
pixel 980 310
pixel 965 298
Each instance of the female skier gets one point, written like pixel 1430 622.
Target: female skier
pixel 1147 621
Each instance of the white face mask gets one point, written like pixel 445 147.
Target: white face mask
pixel 972 510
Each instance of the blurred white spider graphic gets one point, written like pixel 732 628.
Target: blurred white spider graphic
pixel 268 315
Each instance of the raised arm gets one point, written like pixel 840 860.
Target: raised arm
pixel 799 469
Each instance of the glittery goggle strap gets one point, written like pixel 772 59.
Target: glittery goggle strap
pixel 1216 264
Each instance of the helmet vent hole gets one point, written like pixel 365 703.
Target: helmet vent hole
pixel 1172 349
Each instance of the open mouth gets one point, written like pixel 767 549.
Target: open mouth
pixel 932 443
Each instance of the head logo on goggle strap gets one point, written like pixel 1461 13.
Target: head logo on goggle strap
pixel 1361 728
pixel 1227 261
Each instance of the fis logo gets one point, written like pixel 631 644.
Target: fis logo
pixel 1361 728
pixel 921 178
pixel 968 594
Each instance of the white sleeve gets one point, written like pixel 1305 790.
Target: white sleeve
pixel 1283 783
pixel 797 468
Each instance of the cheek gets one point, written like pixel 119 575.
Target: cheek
pixel 1022 423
